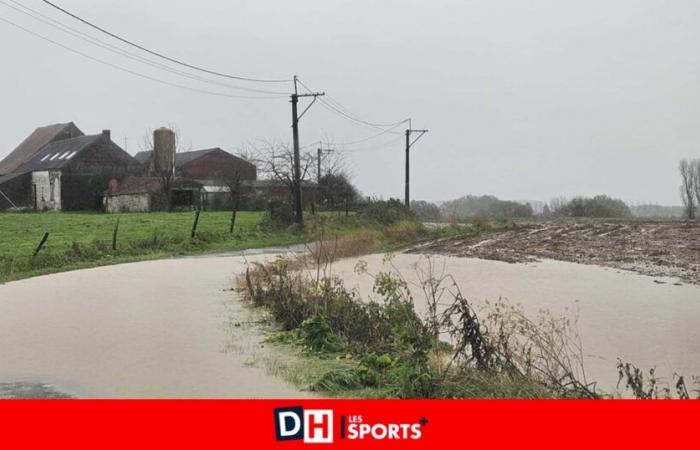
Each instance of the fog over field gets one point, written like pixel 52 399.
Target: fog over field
pixel 524 100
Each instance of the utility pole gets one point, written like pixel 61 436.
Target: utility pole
pixel 409 144
pixel 298 210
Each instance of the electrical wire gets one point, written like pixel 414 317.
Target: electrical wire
pixel 102 44
pixel 373 148
pixel 138 74
pixel 330 99
pixel 353 117
pixel 368 138
pixel 161 55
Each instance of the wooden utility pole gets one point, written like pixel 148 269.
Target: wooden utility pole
pixel 407 182
pixel 298 207
pixel 409 144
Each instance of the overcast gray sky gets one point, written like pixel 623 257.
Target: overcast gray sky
pixel 524 99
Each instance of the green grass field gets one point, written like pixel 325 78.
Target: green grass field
pixel 79 240
pixel 20 233
pixel 84 239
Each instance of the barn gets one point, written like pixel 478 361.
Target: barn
pixel 59 168
pixel 214 170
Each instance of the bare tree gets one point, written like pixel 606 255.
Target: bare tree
pixel 689 184
pixel 696 182
pixel 557 205
pixel 275 162
pixel 334 162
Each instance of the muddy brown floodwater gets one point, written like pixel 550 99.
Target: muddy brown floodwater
pixel 156 329
pixel 651 322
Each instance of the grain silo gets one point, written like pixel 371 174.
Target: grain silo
pixel 163 151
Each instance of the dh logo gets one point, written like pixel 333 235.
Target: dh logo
pixel 314 426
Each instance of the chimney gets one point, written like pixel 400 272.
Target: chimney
pixel 107 135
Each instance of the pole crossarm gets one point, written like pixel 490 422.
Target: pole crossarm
pixel 421 133
pixel 315 96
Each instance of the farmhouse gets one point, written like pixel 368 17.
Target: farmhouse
pixel 59 168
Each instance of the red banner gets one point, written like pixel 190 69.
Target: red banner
pixel 281 424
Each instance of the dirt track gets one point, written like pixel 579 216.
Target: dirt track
pixel 657 248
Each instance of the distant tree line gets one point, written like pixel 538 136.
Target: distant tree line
pixel 690 186
pixel 657 211
pixel 598 206
pixel 489 206
pixel 469 207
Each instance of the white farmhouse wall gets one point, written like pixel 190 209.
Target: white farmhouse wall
pixel 47 187
pixel 128 203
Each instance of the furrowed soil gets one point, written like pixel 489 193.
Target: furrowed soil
pixel 655 248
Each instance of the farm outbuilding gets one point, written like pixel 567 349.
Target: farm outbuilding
pixel 60 168
pixel 142 194
pixel 214 170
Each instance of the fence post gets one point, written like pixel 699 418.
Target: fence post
pixel 114 234
pixel 41 244
pixel 194 225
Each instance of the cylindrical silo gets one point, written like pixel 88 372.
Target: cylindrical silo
pixel 163 151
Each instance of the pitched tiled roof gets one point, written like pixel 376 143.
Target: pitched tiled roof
pixel 180 158
pixel 35 142
pixel 183 158
pixel 143 157
pixel 59 153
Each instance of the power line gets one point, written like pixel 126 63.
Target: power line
pixel 160 55
pixel 355 142
pixel 138 74
pixel 382 146
pixel 331 108
pixel 99 43
pixel 350 113
pixel 353 117
pixel 369 138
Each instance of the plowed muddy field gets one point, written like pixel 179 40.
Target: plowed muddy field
pixel 656 248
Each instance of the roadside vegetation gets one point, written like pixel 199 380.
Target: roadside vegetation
pixel 381 347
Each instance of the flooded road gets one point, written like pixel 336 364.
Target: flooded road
pixel 173 329
pixel 643 320
pixel 156 329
